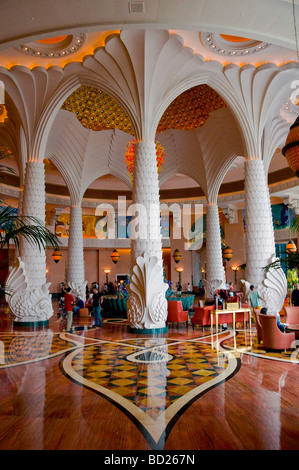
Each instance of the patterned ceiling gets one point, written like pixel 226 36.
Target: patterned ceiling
pixel 96 110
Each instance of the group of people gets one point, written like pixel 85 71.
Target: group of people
pixel 70 306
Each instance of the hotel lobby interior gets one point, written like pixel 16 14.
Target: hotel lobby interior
pixel 153 139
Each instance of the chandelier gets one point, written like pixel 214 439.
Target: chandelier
pixel 130 155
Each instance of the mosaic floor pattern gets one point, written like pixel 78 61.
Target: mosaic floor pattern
pixel 152 380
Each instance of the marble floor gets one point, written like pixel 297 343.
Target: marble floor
pixel 106 388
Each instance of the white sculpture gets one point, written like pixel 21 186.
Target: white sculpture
pixel 28 304
pixel 213 286
pixel 79 290
pixel 147 302
pixel 273 289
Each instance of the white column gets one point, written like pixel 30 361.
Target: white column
pixel 146 196
pixel 260 242
pixel 76 269
pixel 195 267
pixel 215 274
pixel 33 204
pixel 147 306
pixel 30 300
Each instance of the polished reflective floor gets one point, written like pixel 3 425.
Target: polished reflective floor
pixel 105 388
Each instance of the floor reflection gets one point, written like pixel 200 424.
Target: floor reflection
pixel 152 380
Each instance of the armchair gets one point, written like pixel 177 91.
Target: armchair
pixel 273 338
pixel 176 314
pixel 202 315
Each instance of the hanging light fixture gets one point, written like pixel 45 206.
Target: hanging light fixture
pixel 115 256
pixel 291 247
pixel 177 255
pixel 56 255
pixel 291 148
pixel 228 253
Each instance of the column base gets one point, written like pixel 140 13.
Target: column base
pixel 31 324
pixel 148 331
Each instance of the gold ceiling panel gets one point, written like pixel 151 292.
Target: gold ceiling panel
pixel 191 109
pixel 96 110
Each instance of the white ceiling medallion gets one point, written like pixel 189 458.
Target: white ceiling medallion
pixel 66 46
pixel 216 43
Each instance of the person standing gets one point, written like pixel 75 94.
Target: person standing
pixel 255 298
pixel 97 300
pixel 295 296
pixel 231 290
pixel 68 305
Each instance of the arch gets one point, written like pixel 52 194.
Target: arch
pixel 67 86
pixel 219 83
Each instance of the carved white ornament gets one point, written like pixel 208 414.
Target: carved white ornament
pixel 79 290
pixel 28 304
pixel 147 305
pixel 273 289
pixel 212 286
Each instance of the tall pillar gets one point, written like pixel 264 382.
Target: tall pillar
pixel 34 205
pixel 29 299
pixel 195 267
pixel 147 306
pixel 146 195
pixel 215 274
pixel 76 269
pixel 260 242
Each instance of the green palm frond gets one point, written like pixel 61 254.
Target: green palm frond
pixel 294 225
pixel 4 168
pixel 288 260
pixel 12 227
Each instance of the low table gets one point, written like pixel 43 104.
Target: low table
pixel 293 329
pixel 233 311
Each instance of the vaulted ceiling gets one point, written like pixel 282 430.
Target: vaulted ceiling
pixel 198 130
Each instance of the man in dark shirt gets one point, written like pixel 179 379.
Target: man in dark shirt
pixel 295 296
pixel 97 299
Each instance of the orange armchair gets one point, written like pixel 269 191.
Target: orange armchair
pixel 273 338
pixel 176 314
pixel 202 315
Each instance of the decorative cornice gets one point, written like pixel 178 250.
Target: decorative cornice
pixel 67 46
pixel 216 44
